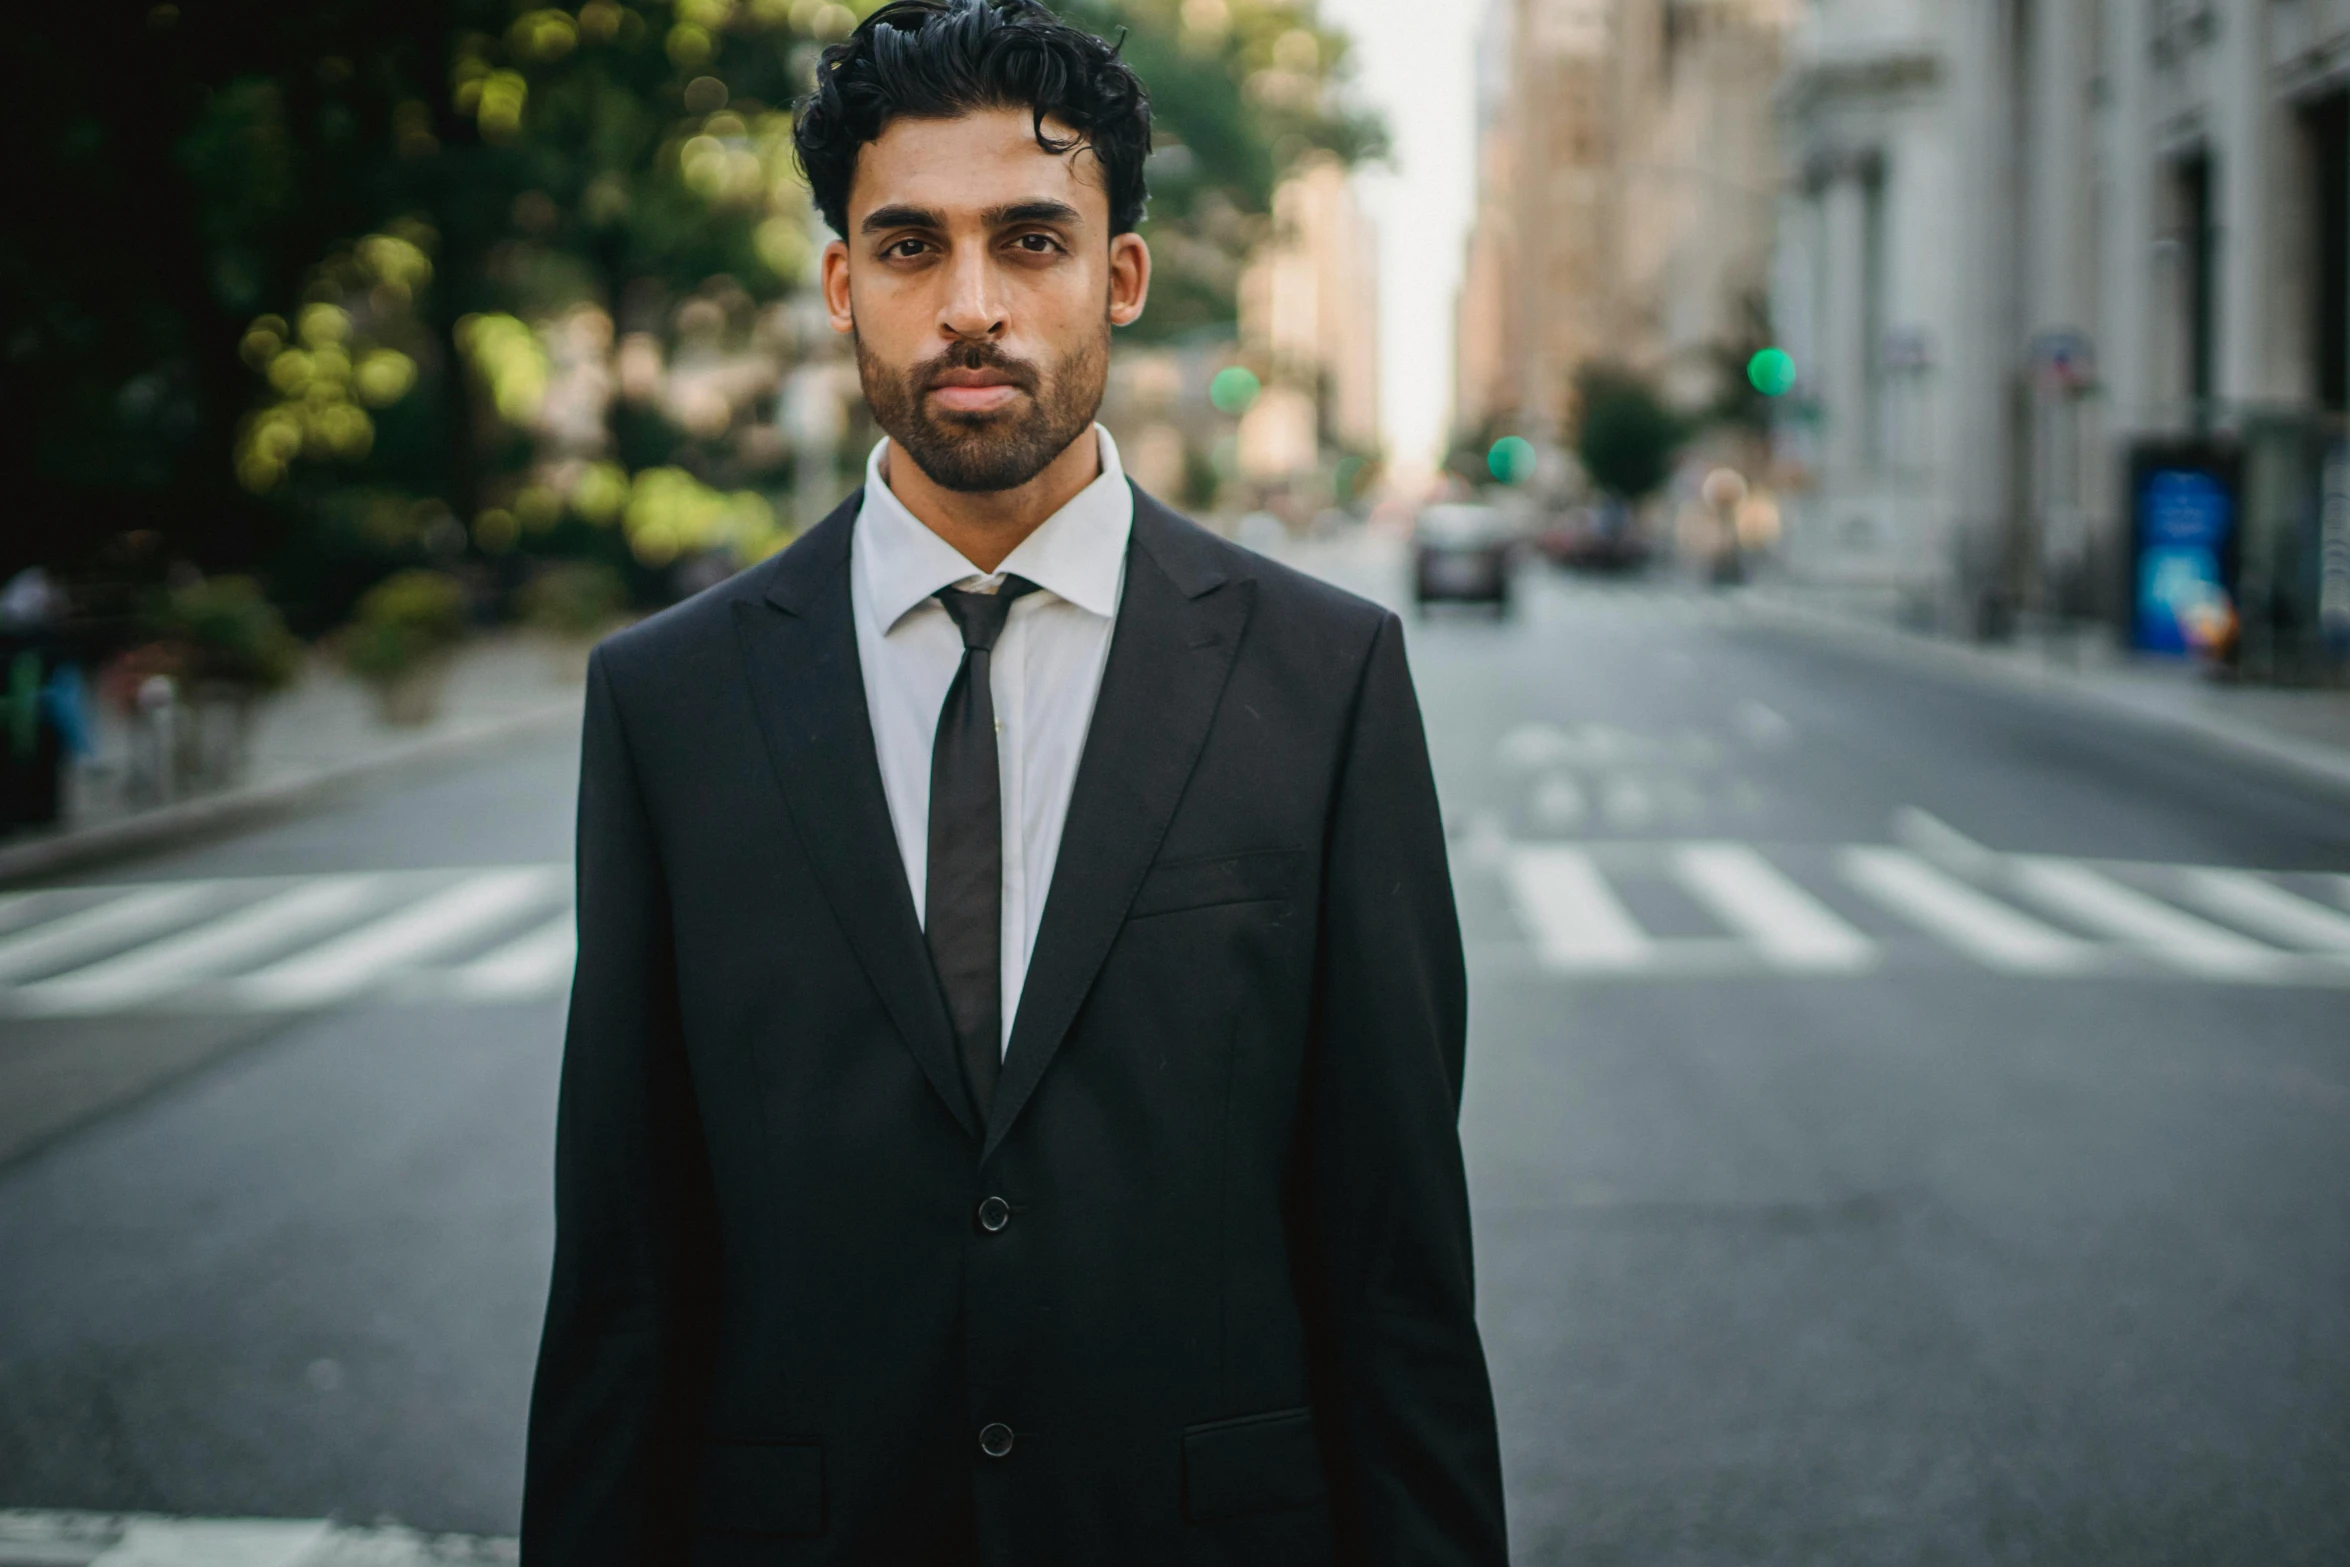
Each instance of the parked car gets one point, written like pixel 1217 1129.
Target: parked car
pixel 1463 553
pixel 1606 537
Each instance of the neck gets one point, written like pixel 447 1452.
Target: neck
pixel 984 526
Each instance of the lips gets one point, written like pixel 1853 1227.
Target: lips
pixel 974 389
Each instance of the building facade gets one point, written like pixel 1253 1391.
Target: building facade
pixel 1626 189
pixel 1309 318
pixel 2029 241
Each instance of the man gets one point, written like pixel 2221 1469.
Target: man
pixel 1009 1107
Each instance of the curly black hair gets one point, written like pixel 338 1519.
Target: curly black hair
pixel 938 59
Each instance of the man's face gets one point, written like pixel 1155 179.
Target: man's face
pixel 981 281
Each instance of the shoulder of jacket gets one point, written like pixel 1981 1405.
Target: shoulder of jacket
pixel 1295 600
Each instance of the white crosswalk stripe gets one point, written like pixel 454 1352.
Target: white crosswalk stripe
pixel 2020 915
pixel 1577 910
pixel 2103 904
pixel 367 956
pixel 255 931
pixel 1576 921
pixel 141 911
pixel 288 943
pixel 2269 909
pixel 536 964
pixel 1792 929
pixel 1969 919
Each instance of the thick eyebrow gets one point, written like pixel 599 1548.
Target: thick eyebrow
pixel 900 217
pixel 1032 212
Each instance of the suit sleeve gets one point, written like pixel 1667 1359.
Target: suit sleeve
pixel 624 1360
pixel 1414 1456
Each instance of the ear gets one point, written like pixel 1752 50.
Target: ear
pixel 1130 278
pixel 835 277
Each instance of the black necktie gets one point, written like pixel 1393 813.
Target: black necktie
pixel 963 909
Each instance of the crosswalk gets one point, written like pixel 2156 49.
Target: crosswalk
pixel 1628 909
pixel 49 1538
pixel 287 943
pixel 1732 908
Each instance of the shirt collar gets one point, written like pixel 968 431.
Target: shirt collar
pixel 1078 554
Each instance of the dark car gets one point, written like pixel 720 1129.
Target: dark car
pixel 1602 538
pixel 1464 554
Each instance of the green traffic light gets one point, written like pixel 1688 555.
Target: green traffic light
pixel 1772 371
pixel 1511 459
pixel 1234 390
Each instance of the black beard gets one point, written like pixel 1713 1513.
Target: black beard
pixel 999 450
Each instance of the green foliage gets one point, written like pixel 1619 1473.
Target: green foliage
pixel 1626 435
pixel 314 264
pixel 1241 91
pixel 223 631
pixel 573 598
pixel 404 623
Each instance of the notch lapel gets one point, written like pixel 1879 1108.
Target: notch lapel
pixel 1179 626
pixel 800 647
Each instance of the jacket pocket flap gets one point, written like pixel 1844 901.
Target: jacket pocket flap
pixel 1257 1465
pixel 1224 878
pixel 764 1488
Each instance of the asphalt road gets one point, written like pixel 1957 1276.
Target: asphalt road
pixel 1908 1116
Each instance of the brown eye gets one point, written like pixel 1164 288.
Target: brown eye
pixel 1037 244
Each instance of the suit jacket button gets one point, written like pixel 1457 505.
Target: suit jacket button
pixel 995 1439
pixel 994 1214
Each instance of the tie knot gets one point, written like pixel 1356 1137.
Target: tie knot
pixel 980 616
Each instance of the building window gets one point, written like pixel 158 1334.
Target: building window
pixel 2198 247
pixel 2328 129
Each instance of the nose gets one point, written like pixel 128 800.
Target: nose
pixel 974 305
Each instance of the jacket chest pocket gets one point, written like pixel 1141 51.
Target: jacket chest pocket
pixel 1259 1464
pixel 1210 881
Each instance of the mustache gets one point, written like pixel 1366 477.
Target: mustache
pixel 978 356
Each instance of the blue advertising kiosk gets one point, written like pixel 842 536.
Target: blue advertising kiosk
pixel 2186 503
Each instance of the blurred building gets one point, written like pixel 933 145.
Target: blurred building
pixel 1627 180
pixel 1309 316
pixel 2028 240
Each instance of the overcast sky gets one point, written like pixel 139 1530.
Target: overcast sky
pixel 1415 61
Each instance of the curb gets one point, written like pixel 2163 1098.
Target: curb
pixel 2313 760
pixel 170 824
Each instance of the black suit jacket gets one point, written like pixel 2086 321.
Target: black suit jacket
pixel 1228 1316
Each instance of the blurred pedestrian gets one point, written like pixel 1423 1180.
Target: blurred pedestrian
pixel 1009 1105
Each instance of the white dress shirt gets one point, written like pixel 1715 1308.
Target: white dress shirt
pixel 1045 674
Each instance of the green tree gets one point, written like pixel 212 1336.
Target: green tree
pixel 276 283
pixel 1625 433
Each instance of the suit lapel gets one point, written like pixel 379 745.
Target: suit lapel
pixel 1179 625
pixel 800 644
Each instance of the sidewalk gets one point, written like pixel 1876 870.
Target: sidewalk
pixel 322 734
pixel 2305 730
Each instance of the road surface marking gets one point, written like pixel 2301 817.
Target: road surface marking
pixel 1577 920
pixel 147 1540
pixel 1793 930
pixel 2098 901
pixel 358 959
pixel 537 964
pixel 139 912
pixel 1936 840
pixel 1966 917
pixel 204 952
pixel 2265 907
pixel 216 1542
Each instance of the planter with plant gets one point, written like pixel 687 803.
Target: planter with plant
pixel 401 639
pixel 223 647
